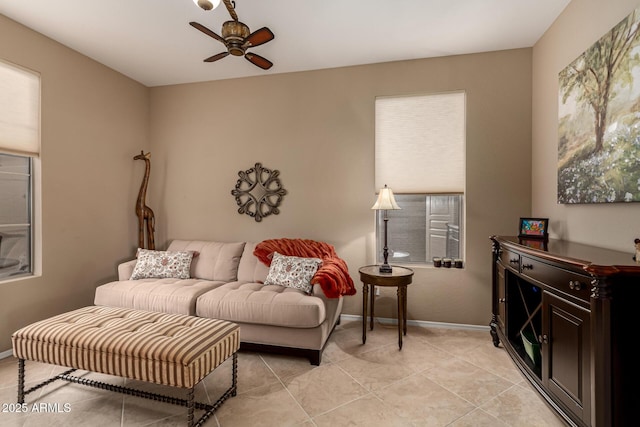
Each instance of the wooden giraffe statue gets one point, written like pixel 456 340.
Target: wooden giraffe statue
pixel 146 220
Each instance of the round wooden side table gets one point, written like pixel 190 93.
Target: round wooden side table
pixel 371 277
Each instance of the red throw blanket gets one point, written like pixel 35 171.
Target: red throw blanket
pixel 332 276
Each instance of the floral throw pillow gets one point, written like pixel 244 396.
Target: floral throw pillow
pixel 162 264
pixel 292 272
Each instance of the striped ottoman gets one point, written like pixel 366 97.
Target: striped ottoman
pixel 167 349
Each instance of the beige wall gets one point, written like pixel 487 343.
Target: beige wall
pixel 317 129
pixel 94 121
pixel 581 24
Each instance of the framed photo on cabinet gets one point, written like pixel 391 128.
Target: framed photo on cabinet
pixel 534 228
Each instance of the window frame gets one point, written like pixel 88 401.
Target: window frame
pixel 392 227
pixel 30 216
pixel 415 142
pixel 20 136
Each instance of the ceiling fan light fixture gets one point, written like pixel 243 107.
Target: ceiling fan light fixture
pixel 235 33
pixel 235 29
pixel 207 4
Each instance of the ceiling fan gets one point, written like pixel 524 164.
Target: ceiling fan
pixel 237 38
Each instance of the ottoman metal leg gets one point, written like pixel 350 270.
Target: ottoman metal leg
pixel 191 406
pixel 21 374
pixel 189 402
pixel 234 375
pixel 21 381
pixel 231 391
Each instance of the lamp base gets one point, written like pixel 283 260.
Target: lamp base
pixel 385 268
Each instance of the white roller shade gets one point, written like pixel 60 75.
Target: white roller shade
pixel 19 110
pixel 420 143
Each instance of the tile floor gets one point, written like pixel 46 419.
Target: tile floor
pixel 442 377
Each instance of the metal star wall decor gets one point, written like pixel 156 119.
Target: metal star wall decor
pixel 258 192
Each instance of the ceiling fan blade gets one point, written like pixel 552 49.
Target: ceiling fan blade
pixel 207 32
pixel 216 57
pixel 258 60
pixel 259 37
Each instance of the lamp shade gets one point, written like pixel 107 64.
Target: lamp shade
pixel 386 201
pixel 207 4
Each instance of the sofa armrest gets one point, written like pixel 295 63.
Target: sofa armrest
pixel 125 269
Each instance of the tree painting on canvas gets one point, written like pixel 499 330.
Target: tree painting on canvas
pixel 599 120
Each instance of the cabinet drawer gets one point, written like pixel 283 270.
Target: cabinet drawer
pixel 510 259
pixel 576 285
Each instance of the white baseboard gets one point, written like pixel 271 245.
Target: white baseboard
pixel 423 323
pixel 6 354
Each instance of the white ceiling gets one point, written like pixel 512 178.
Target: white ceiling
pixel 152 42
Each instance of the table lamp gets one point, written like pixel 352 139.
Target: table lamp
pixel 385 202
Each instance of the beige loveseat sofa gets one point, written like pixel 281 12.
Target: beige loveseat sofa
pixel 226 282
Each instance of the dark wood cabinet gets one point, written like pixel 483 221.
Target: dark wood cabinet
pixel 565 351
pixel 565 313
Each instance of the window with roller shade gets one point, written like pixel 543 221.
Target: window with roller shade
pixel 19 150
pixel 420 155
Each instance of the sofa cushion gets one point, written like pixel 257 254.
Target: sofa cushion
pixel 175 296
pixel 251 269
pixel 257 303
pixel 292 272
pixel 162 264
pixel 215 260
